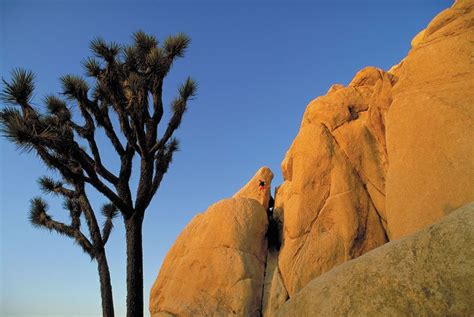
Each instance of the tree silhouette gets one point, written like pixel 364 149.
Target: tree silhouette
pixel 125 103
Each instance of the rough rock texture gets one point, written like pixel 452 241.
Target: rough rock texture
pixel 427 274
pixel 430 124
pixel 216 266
pixel 332 201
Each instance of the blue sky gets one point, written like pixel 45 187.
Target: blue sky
pixel 258 64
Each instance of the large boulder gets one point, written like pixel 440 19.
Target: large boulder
pixel 430 124
pixel 332 201
pixel 216 266
pixel 427 274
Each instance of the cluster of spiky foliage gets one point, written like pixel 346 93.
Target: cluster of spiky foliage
pixel 127 81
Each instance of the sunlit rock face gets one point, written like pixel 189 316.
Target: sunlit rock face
pixel 430 124
pixel 216 266
pixel 333 197
pixel 429 273
pixel 259 187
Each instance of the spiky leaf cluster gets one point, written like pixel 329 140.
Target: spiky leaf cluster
pixel 41 219
pixel 20 89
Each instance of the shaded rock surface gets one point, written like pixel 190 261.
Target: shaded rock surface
pixel 427 274
pixel 430 124
pixel 275 293
pixel 216 266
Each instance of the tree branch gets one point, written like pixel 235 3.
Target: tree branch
pixel 162 161
pixel 179 105
pixel 123 187
pixel 112 90
pixel 104 120
pixel 88 132
pixel 40 218
pixel 110 212
pixel 48 185
pixel 144 184
pixel 89 215
pixel 73 176
pixel 152 125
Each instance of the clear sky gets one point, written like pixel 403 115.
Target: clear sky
pixel 258 64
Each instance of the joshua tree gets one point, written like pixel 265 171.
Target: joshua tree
pixel 125 103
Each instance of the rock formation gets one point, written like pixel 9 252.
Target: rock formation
pixel 216 265
pixel 332 200
pixel 430 128
pixel 350 184
pixel 381 159
pixel 427 274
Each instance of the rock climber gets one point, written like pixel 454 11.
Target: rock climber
pixel 261 185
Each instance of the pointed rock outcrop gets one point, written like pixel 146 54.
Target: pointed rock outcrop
pixel 216 266
pixel 259 187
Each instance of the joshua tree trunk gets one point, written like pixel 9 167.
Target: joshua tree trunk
pixel 133 227
pixel 105 285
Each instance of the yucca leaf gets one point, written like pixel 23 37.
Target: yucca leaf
pixel 92 67
pixel 38 216
pixel 49 185
pixel 144 42
pixel 109 210
pixel 74 87
pixel 176 45
pixel 188 89
pixel 20 88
